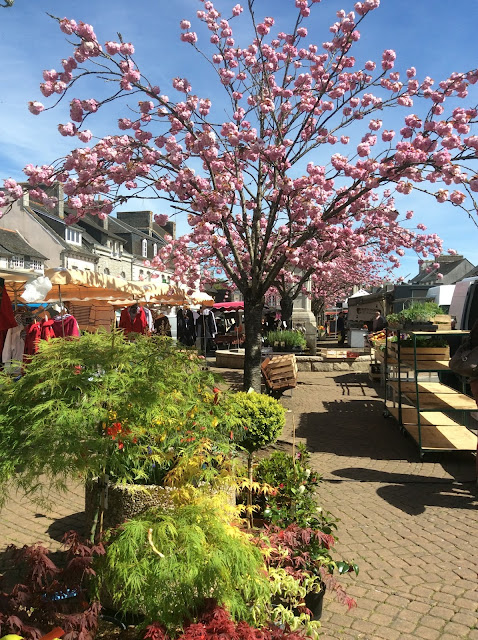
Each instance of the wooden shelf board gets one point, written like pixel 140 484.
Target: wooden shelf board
pixel 435 365
pixel 439 432
pixel 444 438
pixel 453 332
pixel 423 387
pixel 429 418
pixel 445 401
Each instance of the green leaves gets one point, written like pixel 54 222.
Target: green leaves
pixel 143 411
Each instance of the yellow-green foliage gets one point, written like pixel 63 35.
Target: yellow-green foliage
pixel 261 419
pixel 167 563
pixel 142 411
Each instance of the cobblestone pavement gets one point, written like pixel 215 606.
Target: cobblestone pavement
pixel 412 526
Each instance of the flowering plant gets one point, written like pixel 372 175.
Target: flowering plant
pixel 294 483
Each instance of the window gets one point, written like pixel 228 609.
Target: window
pixel 16 262
pixel 73 236
pixel 163 279
pixel 36 265
pixel 123 275
pixel 106 271
pixel 144 248
pixel 155 249
pixel 116 248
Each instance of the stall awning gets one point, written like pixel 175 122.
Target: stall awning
pixel 229 306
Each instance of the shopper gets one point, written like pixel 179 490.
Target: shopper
pixel 378 322
pixel 341 327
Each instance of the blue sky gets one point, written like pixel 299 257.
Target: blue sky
pixel 435 36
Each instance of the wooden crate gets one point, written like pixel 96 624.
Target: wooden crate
pixel 280 372
pixel 443 321
pixel 423 353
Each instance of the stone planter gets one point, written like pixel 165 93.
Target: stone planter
pixel 126 501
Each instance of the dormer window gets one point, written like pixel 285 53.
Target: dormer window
pixel 72 236
pixel 117 248
pixel 144 248
pixel 16 262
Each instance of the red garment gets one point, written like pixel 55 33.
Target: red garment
pixel 139 325
pixel 65 326
pixel 7 319
pixel 47 331
pixel 3 335
pixel 32 338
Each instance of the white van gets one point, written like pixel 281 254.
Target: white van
pixel 464 304
pixel 442 295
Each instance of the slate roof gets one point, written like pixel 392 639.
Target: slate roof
pixel 56 226
pixel 446 268
pixel 12 244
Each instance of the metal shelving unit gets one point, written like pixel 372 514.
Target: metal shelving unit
pixel 431 412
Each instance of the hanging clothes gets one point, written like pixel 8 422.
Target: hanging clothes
pixel 149 319
pixel 13 348
pixel 65 326
pixel 206 330
pixel 47 332
pixel 186 327
pixel 32 340
pixel 7 319
pixel 133 320
pixel 162 325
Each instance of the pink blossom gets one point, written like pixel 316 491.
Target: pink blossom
pixel 237 10
pixel 126 48
pixel 161 219
pixel 68 129
pixel 112 48
pixel 388 135
pixel 363 149
pixel 84 136
pixel 35 107
pixel 185 24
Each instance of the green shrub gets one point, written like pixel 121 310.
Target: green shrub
pixel 417 312
pixel 141 412
pixel 291 339
pixel 168 564
pixel 261 419
pixel 294 485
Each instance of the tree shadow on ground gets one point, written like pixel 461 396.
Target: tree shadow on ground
pixel 72 522
pixel 412 494
pixel 354 428
pixel 353 382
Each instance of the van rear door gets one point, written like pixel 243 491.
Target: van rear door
pixel 470 309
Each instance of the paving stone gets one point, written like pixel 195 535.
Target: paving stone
pixel 426 633
pixel 411 525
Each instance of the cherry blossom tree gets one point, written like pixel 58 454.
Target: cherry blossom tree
pixel 265 190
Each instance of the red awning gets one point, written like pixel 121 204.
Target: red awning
pixel 229 306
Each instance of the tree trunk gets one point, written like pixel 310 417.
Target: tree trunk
pixel 286 307
pixel 253 308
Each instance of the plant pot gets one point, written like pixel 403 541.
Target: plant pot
pixel 314 602
pixel 127 501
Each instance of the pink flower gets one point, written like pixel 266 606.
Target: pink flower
pixel 237 10
pixel 35 107
pixel 126 48
pixel 85 136
pixel 388 135
pixel 68 129
pixel 363 149
pixel 185 24
pixel 112 48
pixel 161 219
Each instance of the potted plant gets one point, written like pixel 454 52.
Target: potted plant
pixel 104 407
pixel 259 419
pixel 294 484
pixel 287 340
pixel 169 563
pixel 418 316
